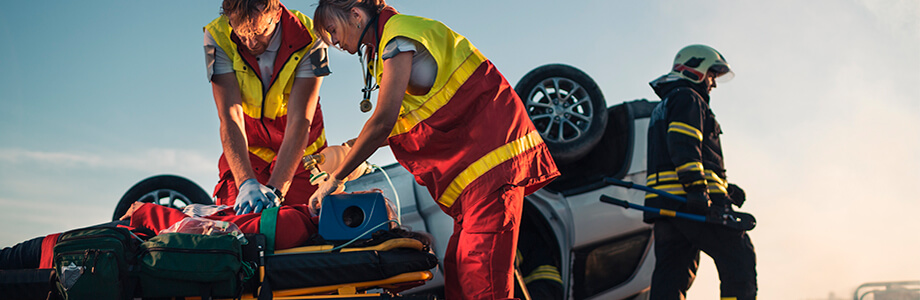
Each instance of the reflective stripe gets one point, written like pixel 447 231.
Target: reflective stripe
pixel 681 127
pixel 668 213
pixel 660 180
pixel 544 272
pixel 486 163
pixel 690 167
pixel 268 155
pixel 661 176
pixel 409 119
pixel 320 141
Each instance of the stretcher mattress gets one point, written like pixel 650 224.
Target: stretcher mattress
pixel 318 269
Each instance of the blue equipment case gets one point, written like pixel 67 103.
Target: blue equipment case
pixel 344 217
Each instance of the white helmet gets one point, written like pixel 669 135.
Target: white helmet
pixel 692 63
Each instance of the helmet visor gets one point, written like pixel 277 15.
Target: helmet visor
pixel 723 72
pixel 725 77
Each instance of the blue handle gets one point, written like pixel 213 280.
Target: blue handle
pixel 663 212
pixel 631 185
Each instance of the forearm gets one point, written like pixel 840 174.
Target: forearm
pixel 292 149
pixel 393 85
pixel 233 140
pixel 302 104
pixel 372 136
pixel 232 127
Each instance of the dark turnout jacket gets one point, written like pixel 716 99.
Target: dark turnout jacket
pixel 684 151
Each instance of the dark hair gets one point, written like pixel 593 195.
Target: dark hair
pixel 330 11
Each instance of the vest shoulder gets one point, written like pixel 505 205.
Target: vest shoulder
pixel 401 24
pixel 304 19
pixel 220 25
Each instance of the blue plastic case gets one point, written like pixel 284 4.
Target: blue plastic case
pixel 344 217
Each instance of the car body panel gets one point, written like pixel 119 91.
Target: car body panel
pixel 578 220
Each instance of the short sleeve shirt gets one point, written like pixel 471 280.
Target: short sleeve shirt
pixel 218 62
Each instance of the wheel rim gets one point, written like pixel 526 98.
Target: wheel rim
pixel 560 109
pixel 166 197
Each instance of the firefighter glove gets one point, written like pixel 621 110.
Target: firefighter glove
pixel 254 197
pixel 328 186
pixel 698 200
pixel 736 194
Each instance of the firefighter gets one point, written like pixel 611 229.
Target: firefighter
pixel 685 158
pixel 265 67
pixel 455 123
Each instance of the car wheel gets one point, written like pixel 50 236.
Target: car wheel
pixel 167 190
pixel 567 108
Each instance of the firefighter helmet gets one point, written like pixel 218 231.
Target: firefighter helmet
pixel 692 63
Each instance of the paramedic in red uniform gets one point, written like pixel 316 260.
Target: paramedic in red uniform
pixel 265 67
pixel 453 121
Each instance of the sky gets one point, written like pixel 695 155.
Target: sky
pixel 820 121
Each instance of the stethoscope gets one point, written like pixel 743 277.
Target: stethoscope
pixel 370 83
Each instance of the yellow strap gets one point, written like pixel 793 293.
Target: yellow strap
pixel 390 244
pixel 486 163
pixel 405 277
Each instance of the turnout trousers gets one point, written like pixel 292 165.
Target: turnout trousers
pixel 678 244
pixel 479 263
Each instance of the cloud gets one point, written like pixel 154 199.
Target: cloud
pixel 155 160
pixel 896 15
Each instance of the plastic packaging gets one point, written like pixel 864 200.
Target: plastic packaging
pixel 326 161
pixel 195 225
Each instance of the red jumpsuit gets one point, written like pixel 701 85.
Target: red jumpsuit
pixel 472 144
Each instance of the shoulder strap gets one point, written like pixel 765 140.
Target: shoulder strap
pixel 267 227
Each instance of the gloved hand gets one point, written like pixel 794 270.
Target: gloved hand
pixel 698 200
pixel 327 186
pixel 736 194
pixel 254 197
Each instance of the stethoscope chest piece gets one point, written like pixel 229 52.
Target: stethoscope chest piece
pixel 366 105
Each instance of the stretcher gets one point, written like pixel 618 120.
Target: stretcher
pixel 380 267
pixel 393 266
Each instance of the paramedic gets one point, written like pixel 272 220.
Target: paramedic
pixel 265 67
pixel 685 158
pixel 455 123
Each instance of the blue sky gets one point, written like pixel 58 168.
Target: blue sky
pixel 820 121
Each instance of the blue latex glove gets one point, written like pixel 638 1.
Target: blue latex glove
pixel 254 197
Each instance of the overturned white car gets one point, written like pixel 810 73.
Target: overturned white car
pixel 600 251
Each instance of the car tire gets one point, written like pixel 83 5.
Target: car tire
pixel 567 107
pixel 167 190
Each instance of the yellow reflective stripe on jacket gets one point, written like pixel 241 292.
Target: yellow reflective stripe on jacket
pixel 408 119
pixel 684 128
pixel 690 167
pixel 456 61
pixel 544 272
pixel 268 155
pixel 486 163
pixel 661 180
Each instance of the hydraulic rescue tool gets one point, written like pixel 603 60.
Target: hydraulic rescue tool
pixel 726 217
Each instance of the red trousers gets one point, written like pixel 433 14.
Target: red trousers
pixel 480 254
